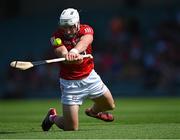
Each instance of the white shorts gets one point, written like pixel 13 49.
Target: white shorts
pixel 75 91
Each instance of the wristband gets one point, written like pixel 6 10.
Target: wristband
pixel 74 51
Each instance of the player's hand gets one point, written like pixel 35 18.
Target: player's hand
pixel 73 58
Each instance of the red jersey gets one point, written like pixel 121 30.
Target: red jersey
pixel 75 71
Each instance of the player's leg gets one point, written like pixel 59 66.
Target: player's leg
pixel 100 106
pixel 103 100
pixel 103 103
pixel 67 122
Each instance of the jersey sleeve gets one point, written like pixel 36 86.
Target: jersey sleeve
pixel 86 29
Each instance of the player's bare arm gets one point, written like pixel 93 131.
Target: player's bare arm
pixel 61 51
pixel 74 54
pixel 84 43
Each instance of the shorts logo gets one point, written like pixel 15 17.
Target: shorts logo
pixel 74 97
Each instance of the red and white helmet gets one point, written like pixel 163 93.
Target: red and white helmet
pixel 69 17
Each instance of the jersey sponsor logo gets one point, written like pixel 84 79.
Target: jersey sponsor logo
pixel 73 42
pixel 67 42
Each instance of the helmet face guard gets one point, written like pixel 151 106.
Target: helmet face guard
pixel 69 31
pixel 68 19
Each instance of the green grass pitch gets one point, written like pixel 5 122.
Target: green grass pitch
pixel 140 118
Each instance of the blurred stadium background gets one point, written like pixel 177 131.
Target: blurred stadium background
pixel 136 45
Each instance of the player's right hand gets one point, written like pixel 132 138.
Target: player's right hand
pixel 73 58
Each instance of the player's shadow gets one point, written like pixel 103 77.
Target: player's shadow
pixel 3 132
pixel 13 132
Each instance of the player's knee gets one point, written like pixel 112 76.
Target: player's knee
pixel 71 129
pixel 75 129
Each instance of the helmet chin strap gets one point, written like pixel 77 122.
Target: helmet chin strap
pixel 70 36
pixel 78 26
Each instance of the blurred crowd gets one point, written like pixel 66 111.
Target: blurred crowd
pixel 151 57
pixel 127 52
